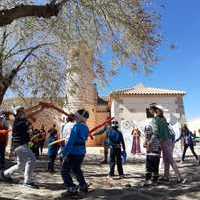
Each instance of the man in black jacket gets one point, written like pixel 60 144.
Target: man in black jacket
pixel 25 157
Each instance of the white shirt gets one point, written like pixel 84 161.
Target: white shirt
pixel 67 130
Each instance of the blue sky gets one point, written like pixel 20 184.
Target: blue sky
pixel 179 68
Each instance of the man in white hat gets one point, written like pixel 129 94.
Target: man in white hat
pixel 25 157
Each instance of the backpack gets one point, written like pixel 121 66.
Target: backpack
pixel 171 134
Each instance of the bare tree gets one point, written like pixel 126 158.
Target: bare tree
pixel 127 28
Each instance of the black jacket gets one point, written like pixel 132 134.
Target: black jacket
pixel 20 135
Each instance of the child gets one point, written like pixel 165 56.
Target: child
pixel 115 142
pixel 153 150
pixel 25 157
pixel 52 150
pixel 42 139
pixel 74 153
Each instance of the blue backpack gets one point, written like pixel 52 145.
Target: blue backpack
pixel 172 134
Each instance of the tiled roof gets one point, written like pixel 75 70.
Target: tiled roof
pixel 102 100
pixel 141 90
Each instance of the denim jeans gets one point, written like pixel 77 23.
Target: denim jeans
pixel 115 157
pixel 152 167
pixel 73 164
pixel 192 150
pixel 2 156
pixel 51 163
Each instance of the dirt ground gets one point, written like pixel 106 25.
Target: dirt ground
pixel 129 188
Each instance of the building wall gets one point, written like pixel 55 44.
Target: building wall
pixel 48 118
pixel 102 113
pixel 130 111
pixel 135 107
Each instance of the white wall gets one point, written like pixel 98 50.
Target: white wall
pixel 131 112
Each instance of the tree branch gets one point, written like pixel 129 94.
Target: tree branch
pixel 19 66
pixel 7 16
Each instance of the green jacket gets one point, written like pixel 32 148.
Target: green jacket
pixel 160 127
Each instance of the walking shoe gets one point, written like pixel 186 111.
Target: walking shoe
pixel 5 178
pixel 121 176
pixel 181 180
pixel 31 185
pixel 83 189
pixel 110 176
pixel 146 183
pixel 154 183
pixel 163 178
pixel 103 162
pixel 72 190
pixel 52 171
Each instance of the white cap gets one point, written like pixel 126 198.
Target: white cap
pixel 82 116
pixel 160 107
pixel 16 108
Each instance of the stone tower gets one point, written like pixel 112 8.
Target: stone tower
pixel 81 91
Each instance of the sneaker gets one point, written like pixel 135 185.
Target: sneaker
pixel 165 179
pixel 31 185
pixel 181 180
pixel 154 183
pixel 52 171
pixel 5 178
pixel 110 176
pixel 72 190
pixel 83 189
pixel 121 176
pixel 147 183
pixel 103 162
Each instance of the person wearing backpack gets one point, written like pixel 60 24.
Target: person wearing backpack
pixel 161 129
pixel 74 153
pixel 115 142
pixel 153 151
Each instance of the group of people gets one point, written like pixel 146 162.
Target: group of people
pixel 73 152
pixel 158 139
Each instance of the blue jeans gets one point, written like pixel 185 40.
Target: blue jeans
pixel 115 158
pixel 2 156
pixel 73 164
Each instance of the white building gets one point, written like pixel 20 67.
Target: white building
pixel 129 106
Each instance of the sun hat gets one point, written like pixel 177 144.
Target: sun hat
pixel 17 109
pixel 160 107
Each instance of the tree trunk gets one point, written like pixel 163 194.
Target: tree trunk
pixel 3 89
